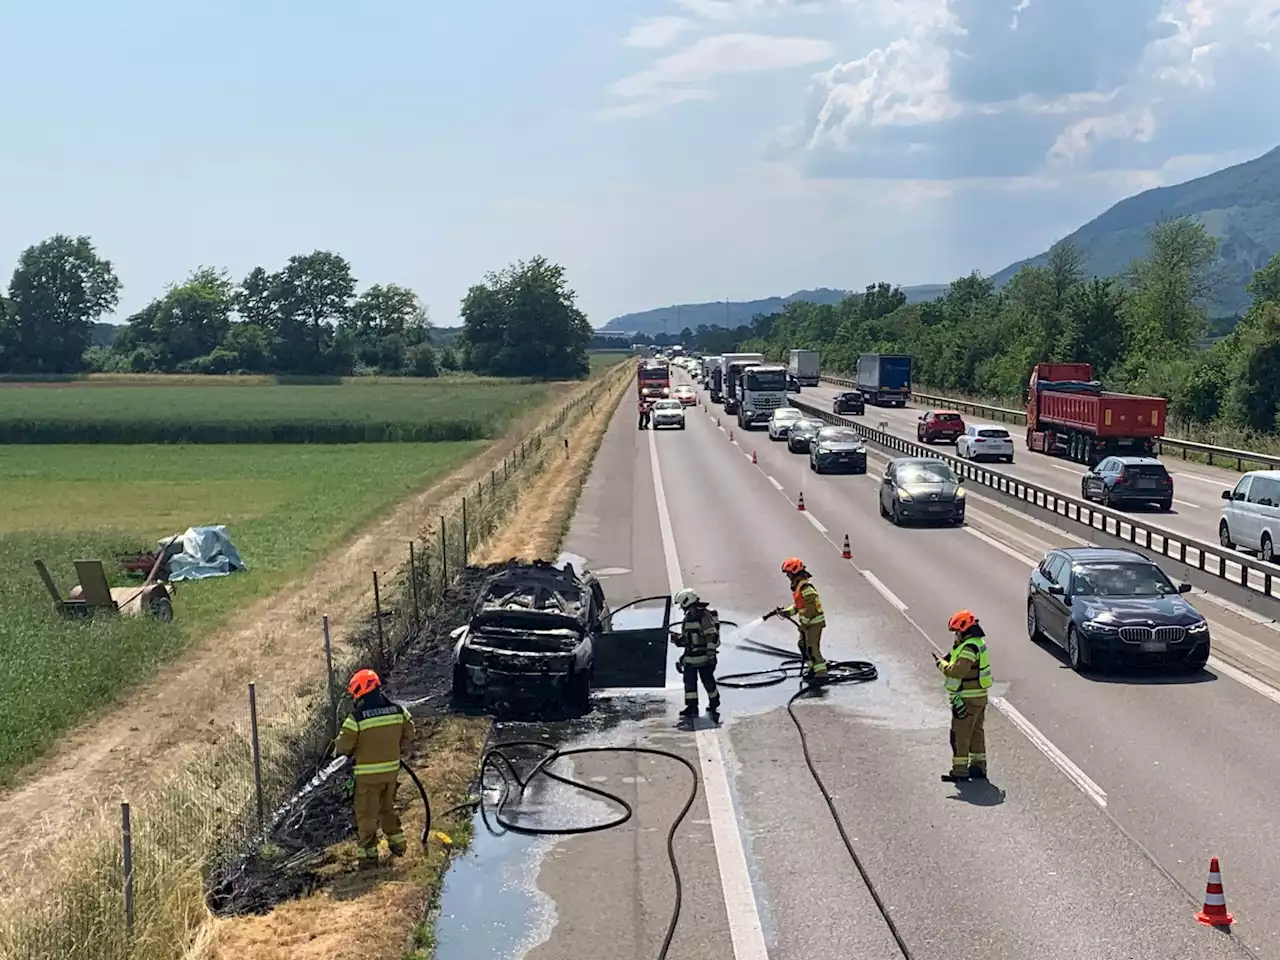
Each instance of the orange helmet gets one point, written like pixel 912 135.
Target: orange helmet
pixel 363 683
pixel 961 621
pixel 792 565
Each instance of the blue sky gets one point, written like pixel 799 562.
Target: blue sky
pixel 662 150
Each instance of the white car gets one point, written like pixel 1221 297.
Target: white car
pixel 982 441
pixel 781 420
pixel 668 413
pixel 1251 516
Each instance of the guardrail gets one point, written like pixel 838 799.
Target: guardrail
pixel 1211 567
pixel 1224 455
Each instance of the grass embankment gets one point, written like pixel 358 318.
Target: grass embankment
pixel 284 507
pixel 359 919
pixel 218 411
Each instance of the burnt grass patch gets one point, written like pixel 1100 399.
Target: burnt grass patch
pixel 293 857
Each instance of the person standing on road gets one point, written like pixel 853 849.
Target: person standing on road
pixel 376 735
pixel 967 669
pixel 806 609
pixel 699 637
pixel 645 409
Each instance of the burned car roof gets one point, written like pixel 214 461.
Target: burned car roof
pixel 534 596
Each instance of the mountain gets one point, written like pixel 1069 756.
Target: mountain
pixel 732 313
pixel 1239 205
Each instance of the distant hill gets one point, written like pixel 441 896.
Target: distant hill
pixel 1239 205
pixel 733 313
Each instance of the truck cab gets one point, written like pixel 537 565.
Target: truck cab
pixel 762 389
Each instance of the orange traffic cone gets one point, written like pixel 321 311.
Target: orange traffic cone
pixel 753 457
pixel 731 434
pixel 1214 913
pixel 800 502
pixel 846 553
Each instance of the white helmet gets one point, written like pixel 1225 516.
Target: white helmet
pixel 686 598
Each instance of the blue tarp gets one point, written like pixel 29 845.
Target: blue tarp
pixel 203 552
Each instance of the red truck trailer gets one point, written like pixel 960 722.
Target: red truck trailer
pixel 1070 415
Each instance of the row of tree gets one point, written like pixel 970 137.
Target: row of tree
pixel 1143 332
pixel 304 319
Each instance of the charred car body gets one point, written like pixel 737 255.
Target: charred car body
pixel 534 637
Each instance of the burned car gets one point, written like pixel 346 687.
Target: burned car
pixel 541 635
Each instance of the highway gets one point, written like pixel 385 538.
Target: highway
pixel 1108 794
pixel 1197 488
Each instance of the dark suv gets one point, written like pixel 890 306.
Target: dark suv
pixel 849 402
pixel 1128 480
pixel 938 425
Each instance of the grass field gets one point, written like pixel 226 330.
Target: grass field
pixel 247 410
pixel 603 359
pixel 284 506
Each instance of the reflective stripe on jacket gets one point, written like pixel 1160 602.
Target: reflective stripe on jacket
pixel 375 735
pixel 699 636
pixel 806 606
pixel 967 669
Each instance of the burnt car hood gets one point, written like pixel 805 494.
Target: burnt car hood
pixel 1171 610
pixel 523 631
pixel 926 491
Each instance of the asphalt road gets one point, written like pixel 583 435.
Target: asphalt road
pixel 1108 796
pixel 1197 488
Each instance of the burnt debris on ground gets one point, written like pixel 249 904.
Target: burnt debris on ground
pixel 291 860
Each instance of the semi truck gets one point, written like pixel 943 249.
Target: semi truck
pixel 653 380
pixel 884 379
pixel 731 366
pixel 803 366
pixel 760 390
pixel 1070 415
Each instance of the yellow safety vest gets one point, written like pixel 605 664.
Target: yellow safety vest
pixel 956 687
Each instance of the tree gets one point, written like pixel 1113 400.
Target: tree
pixel 523 322
pixel 310 296
pixel 1164 310
pixel 190 321
pixel 384 323
pixel 60 287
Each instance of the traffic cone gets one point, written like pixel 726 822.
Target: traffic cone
pixel 731 434
pixel 1214 913
pixel 846 553
pixel 800 502
pixel 753 457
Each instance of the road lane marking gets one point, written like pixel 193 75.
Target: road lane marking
pixel 884 591
pixel 816 524
pixel 1220 484
pixel 1250 681
pixel 1002 547
pixel 776 485
pixel 1056 756
pixel 735 879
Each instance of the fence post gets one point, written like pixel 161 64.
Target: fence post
pixel 413 574
pixel 464 531
pixel 444 558
pixel 493 481
pixel 333 687
pixel 566 446
pixel 257 751
pixel 126 845
pixel 377 615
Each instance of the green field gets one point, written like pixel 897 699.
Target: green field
pixel 284 506
pixel 603 359
pixel 216 410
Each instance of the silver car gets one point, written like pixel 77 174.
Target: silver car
pixel 668 413
pixel 781 421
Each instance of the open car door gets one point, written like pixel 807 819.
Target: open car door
pixel 633 647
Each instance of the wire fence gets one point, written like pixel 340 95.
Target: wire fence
pixel 131 883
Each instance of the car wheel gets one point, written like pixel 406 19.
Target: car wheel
pixel 1224 535
pixel 579 693
pixel 1033 622
pixel 895 514
pixel 161 609
pixel 1009 458
pixel 1076 650
pixel 458 694
pixel 682 425
pixel 1267 553
pixel 880 503
pixel 1084 491
pixel 813 466
pixel 1166 505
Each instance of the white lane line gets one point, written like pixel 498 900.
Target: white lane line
pixel 817 525
pixel 1045 746
pixel 739 899
pixel 884 591
pixel 747 455
pixel 1185 503
pixel 1002 547
pixel 776 485
pixel 1220 484
pixel 1252 682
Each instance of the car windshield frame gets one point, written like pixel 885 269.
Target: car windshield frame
pixel 994 433
pixel 805 426
pixel 1088 570
pixel 788 413
pixel 839 435
pixel 925 472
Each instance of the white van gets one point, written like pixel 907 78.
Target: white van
pixel 1251 517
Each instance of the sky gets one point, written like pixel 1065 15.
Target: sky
pixel 663 151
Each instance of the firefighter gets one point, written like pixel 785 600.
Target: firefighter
pixel 967 669
pixel 806 608
pixel 376 735
pixel 645 407
pixel 699 637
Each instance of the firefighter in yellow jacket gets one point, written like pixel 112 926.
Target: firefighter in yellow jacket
pixel 699 637
pixel 806 609
pixel 967 669
pixel 375 735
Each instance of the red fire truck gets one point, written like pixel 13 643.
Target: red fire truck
pixel 653 380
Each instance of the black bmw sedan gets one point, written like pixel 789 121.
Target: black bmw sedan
pixel 1105 605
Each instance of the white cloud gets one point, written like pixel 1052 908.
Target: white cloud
pixel 740 9
pixel 658 31
pixel 681 76
pixel 1079 139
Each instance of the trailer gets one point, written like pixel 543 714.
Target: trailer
pixel 884 379
pixel 804 367
pixel 1070 415
pixel 731 367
